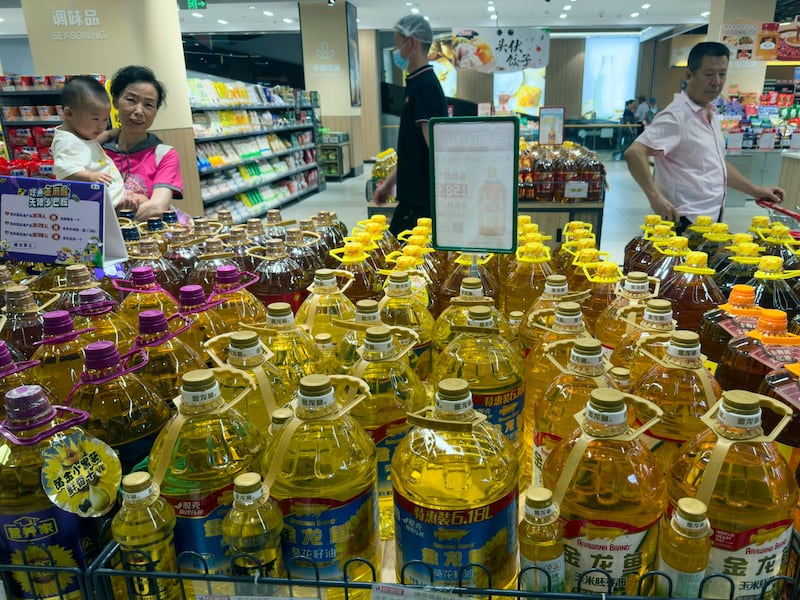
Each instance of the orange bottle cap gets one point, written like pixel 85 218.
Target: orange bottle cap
pixel 772 321
pixel 742 295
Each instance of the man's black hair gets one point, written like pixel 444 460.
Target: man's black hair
pixel 702 49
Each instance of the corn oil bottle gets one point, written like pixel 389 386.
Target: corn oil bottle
pixel 206 323
pixel 95 317
pixel 59 354
pixel 453 467
pixel 541 544
pixel 732 319
pixel 698 229
pixel 240 306
pixel 294 352
pixel 611 325
pixel 365 284
pixel 144 293
pixel 773 288
pixel 525 283
pixel 692 291
pixel 280 279
pixel 603 277
pixel 635 245
pixel 577 279
pixel 326 303
pixel 684 549
pixel 741 267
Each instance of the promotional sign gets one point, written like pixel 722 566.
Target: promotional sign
pixel 551 125
pixel 501 49
pixel 474 170
pixel 58 222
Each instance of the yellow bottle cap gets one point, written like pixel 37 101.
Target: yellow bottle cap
pixel 719 228
pixel 770 263
pixel 750 249
pixel 523 220
pixel 741 238
pixel 704 221
pixel 652 220
pixel 759 222
pixel 697 260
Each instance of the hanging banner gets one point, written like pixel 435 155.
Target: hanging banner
pixel 491 50
pixel 760 41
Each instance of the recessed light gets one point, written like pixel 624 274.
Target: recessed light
pixel 705 13
pixel 645 6
pixel 415 10
pixel 267 13
pixel 286 20
pixel 409 4
pixel 251 7
pixel 567 7
pixel 490 2
pixel 426 18
pixel 634 15
pixel 358 20
pixel 562 16
pixel 198 15
pixel 493 16
pixel 222 21
pixel 490 8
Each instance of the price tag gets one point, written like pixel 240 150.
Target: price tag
pixel 767 141
pixel 398 592
pixel 794 142
pixel 576 189
pixel 735 141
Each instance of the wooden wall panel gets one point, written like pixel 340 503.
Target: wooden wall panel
pixel 183 141
pixel 370 93
pixel 565 75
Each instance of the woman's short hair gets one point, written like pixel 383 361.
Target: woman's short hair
pixel 137 74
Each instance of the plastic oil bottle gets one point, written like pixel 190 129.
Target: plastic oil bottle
pixel 15 373
pixel 635 245
pixel 772 286
pixel 275 228
pixel 370 246
pixel 59 355
pixel 240 306
pixel 782 384
pixel 735 468
pixel 683 388
pixel 633 291
pixel 196 457
pixel 642 260
pixel 576 275
pixel 525 283
pixel 95 316
pixel 759 225
pixel 294 352
pixel 206 323
pixel 402 308
pixel 739 268
pixel 732 319
pixel 683 549
pixel 214 255
pixel 164 272
pixel 324 467
pixel 555 291
pixel 238 243
pixel 612 494
pixel 345 352
pixel 182 252
pixel 25 324
pixel 697 231
pixel 565 253
pixel 720 257
pixel 144 529
pixel 692 291
pixel 326 302
pixel 144 293
pixel 280 279
pixel 77 278
pixel 469 265
pixel 366 284
pixel 668 255
pixel 453 467
pixel 395 390
pixel 778 241
pixel 422 284
pixel 301 246
pixel 603 277
pixel 717 236
pixel 541 544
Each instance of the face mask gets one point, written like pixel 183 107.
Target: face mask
pixel 400 62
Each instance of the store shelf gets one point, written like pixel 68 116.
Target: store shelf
pixel 233 136
pixel 262 210
pixel 32 123
pixel 37 92
pixel 256 159
pixel 261 182
pixel 250 107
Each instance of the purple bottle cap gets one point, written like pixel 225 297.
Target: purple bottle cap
pixel 101 355
pixel 228 274
pixel 192 295
pixel 90 296
pixel 57 322
pixel 152 321
pixel 27 405
pixel 5 355
pixel 143 275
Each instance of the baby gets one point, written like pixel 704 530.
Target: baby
pixel 77 151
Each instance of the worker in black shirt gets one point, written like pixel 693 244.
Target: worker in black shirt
pixel 424 100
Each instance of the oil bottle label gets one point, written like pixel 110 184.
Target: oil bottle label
pixel 157 557
pixel 503 409
pixel 774 356
pixel 750 558
pixel 386 439
pixel 737 326
pixel 198 528
pixel 448 540
pixel 542 446
pixel 535 580
pixel 790 394
pixel 684 585
pixel 623 551
pixel 51 537
pixel 329 533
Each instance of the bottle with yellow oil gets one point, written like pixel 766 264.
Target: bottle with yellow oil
pixel 555 291
pixel 240 305
pixel 541 544
pixel 345 352
pixel 717 236
pixel 647 254
pixel 692 291
pixel 326 302
pixel 724 252
pixel 455 495
pixel 525 283
pixel 25 319
pixel 77 279
pixel 683 550
pixel 294 352
pixel 95 316
pixel 365 282
pixel 634 290
pixel 59 354
pixel 466 264
pixel 698 229
pixel 669 254
pixel 143 293
pixel 206 322
pixel 638 242
pixel 603 277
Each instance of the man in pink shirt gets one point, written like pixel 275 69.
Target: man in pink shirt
pixel 686 143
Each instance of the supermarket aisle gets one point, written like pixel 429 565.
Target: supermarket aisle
pixel 624 212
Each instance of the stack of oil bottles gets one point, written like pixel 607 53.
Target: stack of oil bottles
pixel 280 399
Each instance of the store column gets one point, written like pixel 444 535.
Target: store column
pixel 94 36
pixel 332 67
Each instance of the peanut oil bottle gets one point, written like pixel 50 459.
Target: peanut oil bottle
pixel 611 324
pixel 144 293
pixel 759 226
pixel 14 373
pixel 204 272
pixel 206 322
pixel 722 254
pixel 240 306
pixel 778 241
pixel 541 544
pixel 469 265
pixel 635 245
pixel 575 271
pixel 149 255
pixel 280 278
pixel 739 268
pixel 732 319
pixel 715 238
pixel 774 286
pixel 95 317
pixel 692 291
pixel 525 283
pixel 668 254
pixel 735 468
pixel 455 496
pixel 612 495
pixel 642 260
pixel 698 229
pixel 345 352
pixel 603 277
pixel 294 352
pixel 59 355
pixel 366 284
pixel 395 390
pixel 683 550
pixel 326 302
pixel 182 252
pixel 196 457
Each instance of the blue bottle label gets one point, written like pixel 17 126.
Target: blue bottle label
pixel 386 439
pixel 449 540
pixel 328 532
pixel 503 409
pixel 52 538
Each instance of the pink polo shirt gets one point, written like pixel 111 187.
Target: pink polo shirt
pixel 689 157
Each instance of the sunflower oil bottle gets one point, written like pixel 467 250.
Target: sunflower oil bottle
pixel 633 290
pixel 25 324
pixel 778 241
pixel 15 373
pixel 697 231
pixel 541 544
pixel 732 319
pixel 164 272
pixel 194 460
pixel 642 260
pixel 324 471
pixel 59 354
pixel 345 352
pixel 280 279
pixel 240 306
pixel 683 388
pixel 603 277
pixel 741 267
pixel 331 235
pixel 325 345
pixel 144 529
pixel 206 323
pixel 737 471
pixel 294 352
pixel 637 243
pixel 365 284
pixel 469 265
pixel 563 396
pixel 325 303
pixel 669 254
pixel 76 279
pixel 493 369
pixel 214 255
pixel 400 307
pixel 95 317
pixel 683 550
pixel 525 283
pixel 611 493
pixel 724 251
pixel 773 289
pixel 455 468
pixel 692 291
pixel 144 293
pixel 395 390
pixel 424 258
pixel 748 358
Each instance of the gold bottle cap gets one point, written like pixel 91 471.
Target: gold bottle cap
pixel 453 389
pixel 244 339
pixel 636 277
pixel 607 400
pixel 587 346
pixel 247 483
pixel 19 298
pixel 741 402
pixel 198 380
pixel 324 276
pixel 515 316
pixel 179 236
pixel 149 246
pixel 274 216
pixel 254 226
pixel 537 497
pixel 294 236
pixel 136 482
pixel 684 339
pixel 659 305
pixel 281 416
pixel 307 224
pixel 213 246
pixel 225 217
pixel 77 275
pixel 471 283
pixel 367 305
pixel 479 313
pixel 556 280
pixel 279 309
pixel 692 509
pixel 620 373
pixel 378 334
pixel 315 385
pixel 238 236
pixel 400 277
pixel 568 308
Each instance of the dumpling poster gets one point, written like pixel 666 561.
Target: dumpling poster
pixel 500 49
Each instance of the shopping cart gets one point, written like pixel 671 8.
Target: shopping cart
pixel 779 214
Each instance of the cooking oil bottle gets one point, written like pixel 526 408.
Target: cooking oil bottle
pixel 611 492
pixel 574 241
pixel 206 322
pixel 59 355
pixel 683 388
pixel 469 265
pixel 401 307
pixel 778 241
pixel 238 243
pixel 15 373
pixel 76 279
pixel 95 317
pixel 149 255
pixel 732 319
pixel 692 291
pixel 294 352
pixel 603 277
pixel 565 395
pixel 759 225
pixel 25 324
pixel 325 345
pixel 668 254
pixel 541 544
pixel 214 255
pixel 525 283
pixel 301 246
pixel 240 306
pixel 737 471
pixel 194 461
pixel 633 291
pixel 345 352
pixel 370 246
pixel 324 467
pixel 144 293
pixel 741 267
pixel 280 279
pixel 720 257
pixel 698 229
pixel 660 233
pixel 182 252
pixel 555 291
pixel 715 238
pixel 748 358
pixel 144 529
pixel 395 390
pixel 326 302
pixel 124 412
pixel 276 225
pixel 635 245
pixel 575 272
pixel 772 288
pixel 422 284
pixel 455 496
pixel 683 550
pixel 782 384
pixel 365 283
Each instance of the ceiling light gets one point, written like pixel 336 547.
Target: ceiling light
pixel 634 15
pixel 285 20
pixel 490 2
pixel 705 13
pixel 567 7
pixel 198 15
pixel 415 10
pixel 267 13
pixel 409 4
pixel 222 21
pixel 493 16
pixel 490 8
pixel 645 6
pixel 562 16
pixel 251 7
pixel 426 18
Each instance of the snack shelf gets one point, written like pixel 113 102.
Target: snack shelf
pixel 257 184
pixel 257 159
pixel 230 136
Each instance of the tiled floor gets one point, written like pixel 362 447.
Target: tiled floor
pixel 624 211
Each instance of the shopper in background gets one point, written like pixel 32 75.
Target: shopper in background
pixel 686 143
pixel 641 111
pixel 150 168
pixel 424 100
pixel 627 134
